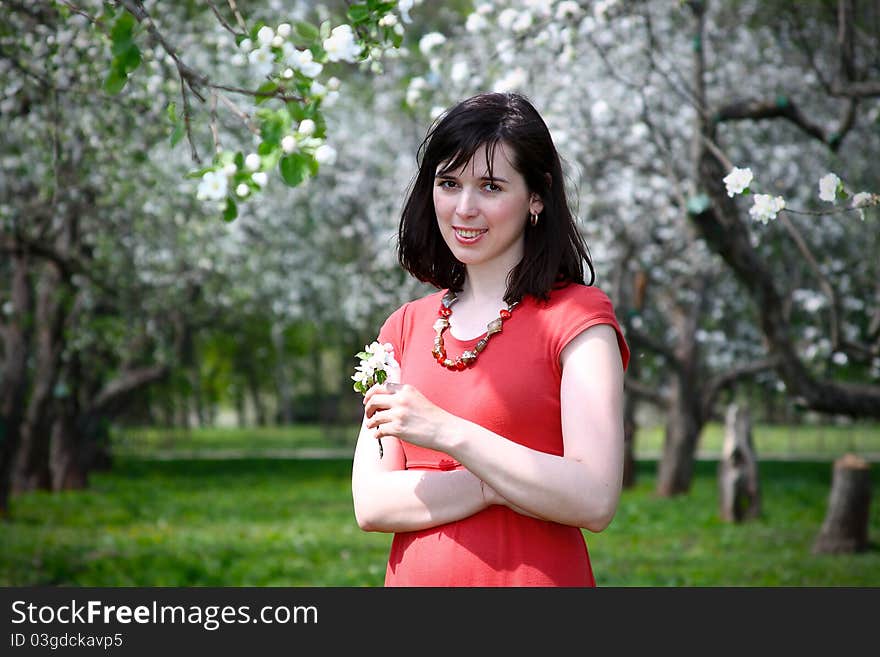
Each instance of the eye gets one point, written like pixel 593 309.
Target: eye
pixel 446 184
pixel 491 187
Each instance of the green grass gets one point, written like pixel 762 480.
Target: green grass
pixel 812 441
pixel 262 522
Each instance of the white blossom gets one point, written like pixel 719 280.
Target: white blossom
pixel 265 36
pixel 229 168
pixel 261 178
pixel 766 207
pixel 388 20
pixel 242 190
pixel 283 30
pixel 476 23
pixel 288 144
pixel 523 22
pixel 306 127
pixel 341 45
pixel 430 41
pixel 252 162
pixel 263 60
pixel 567 9
pixel 507 18
pixel 828 185
pixel 459 71
pixel 212 186
pixel 738 180
pixel 325 154
pixel 863 199
pixel 246 44
pixel 403 7
pixel 511 81
pixel 302 60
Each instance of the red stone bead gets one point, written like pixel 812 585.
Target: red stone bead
pixel 505 313
pixel 459 365
pixel 445 312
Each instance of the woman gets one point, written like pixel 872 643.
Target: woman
pixel 499 445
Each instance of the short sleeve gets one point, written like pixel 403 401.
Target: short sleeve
pixel 582 308
pixel 392 331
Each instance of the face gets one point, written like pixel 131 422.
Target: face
pixel 483 216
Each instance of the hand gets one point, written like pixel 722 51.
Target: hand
pixel 401 411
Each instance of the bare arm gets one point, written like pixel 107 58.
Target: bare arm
pixel 581 487
pixel 388 498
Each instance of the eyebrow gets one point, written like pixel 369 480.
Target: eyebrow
pixel 489 178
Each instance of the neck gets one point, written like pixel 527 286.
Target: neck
pixel 485 284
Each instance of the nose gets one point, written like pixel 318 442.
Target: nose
pixel 467 206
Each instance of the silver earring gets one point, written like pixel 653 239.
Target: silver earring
pixel 534 218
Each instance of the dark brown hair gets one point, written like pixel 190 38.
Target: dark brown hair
pixel 554 252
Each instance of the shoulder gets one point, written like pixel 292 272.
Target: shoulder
pixel 574 308
pixel 416 306
pixel 399 322
pixel 577 298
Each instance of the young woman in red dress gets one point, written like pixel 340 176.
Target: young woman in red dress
pixel 503 439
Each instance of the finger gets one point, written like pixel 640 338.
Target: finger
pixel 375 389
pixel 377 403
pixel 378 419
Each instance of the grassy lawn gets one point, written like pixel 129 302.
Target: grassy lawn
pixel 812 441
pixel 286 522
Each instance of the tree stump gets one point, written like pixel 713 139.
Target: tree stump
pixel 738 486
pixel 845 528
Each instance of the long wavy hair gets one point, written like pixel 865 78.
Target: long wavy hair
pixel 555 253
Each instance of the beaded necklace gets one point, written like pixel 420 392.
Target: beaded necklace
pixel 469 356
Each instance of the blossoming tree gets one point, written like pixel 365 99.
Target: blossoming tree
pixel 643 98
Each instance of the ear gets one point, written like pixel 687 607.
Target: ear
pixel 536 205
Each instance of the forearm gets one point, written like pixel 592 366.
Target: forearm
pixel 409 500
pixel 551 487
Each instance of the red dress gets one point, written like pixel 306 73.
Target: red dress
pixel 514 391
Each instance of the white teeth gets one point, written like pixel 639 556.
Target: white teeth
pixel 469 233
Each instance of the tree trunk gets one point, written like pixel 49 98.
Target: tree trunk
pixel 240 406
pixel 676 469
pixel 738 485
pixel 845 528
pixel 14 380
pixel 32 467
pixel 253 385
pixel 69 458
pixel 283 386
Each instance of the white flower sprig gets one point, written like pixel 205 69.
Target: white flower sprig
pixel 377 362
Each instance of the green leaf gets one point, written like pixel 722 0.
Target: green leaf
pixel 198 173
pixel 306 31
pixel 130 59
pixel 294 169
pixel 231 211
pixel 313 166
pixel 122 28
pixel 381 376
pixel 171 111
pixel 325 30
pixel 115 81
pixel 266 87
pixel 177 133
pixel 358 13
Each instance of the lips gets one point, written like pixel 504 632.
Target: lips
pixel 469 235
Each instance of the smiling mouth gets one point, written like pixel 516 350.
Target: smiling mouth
pixel 469 233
